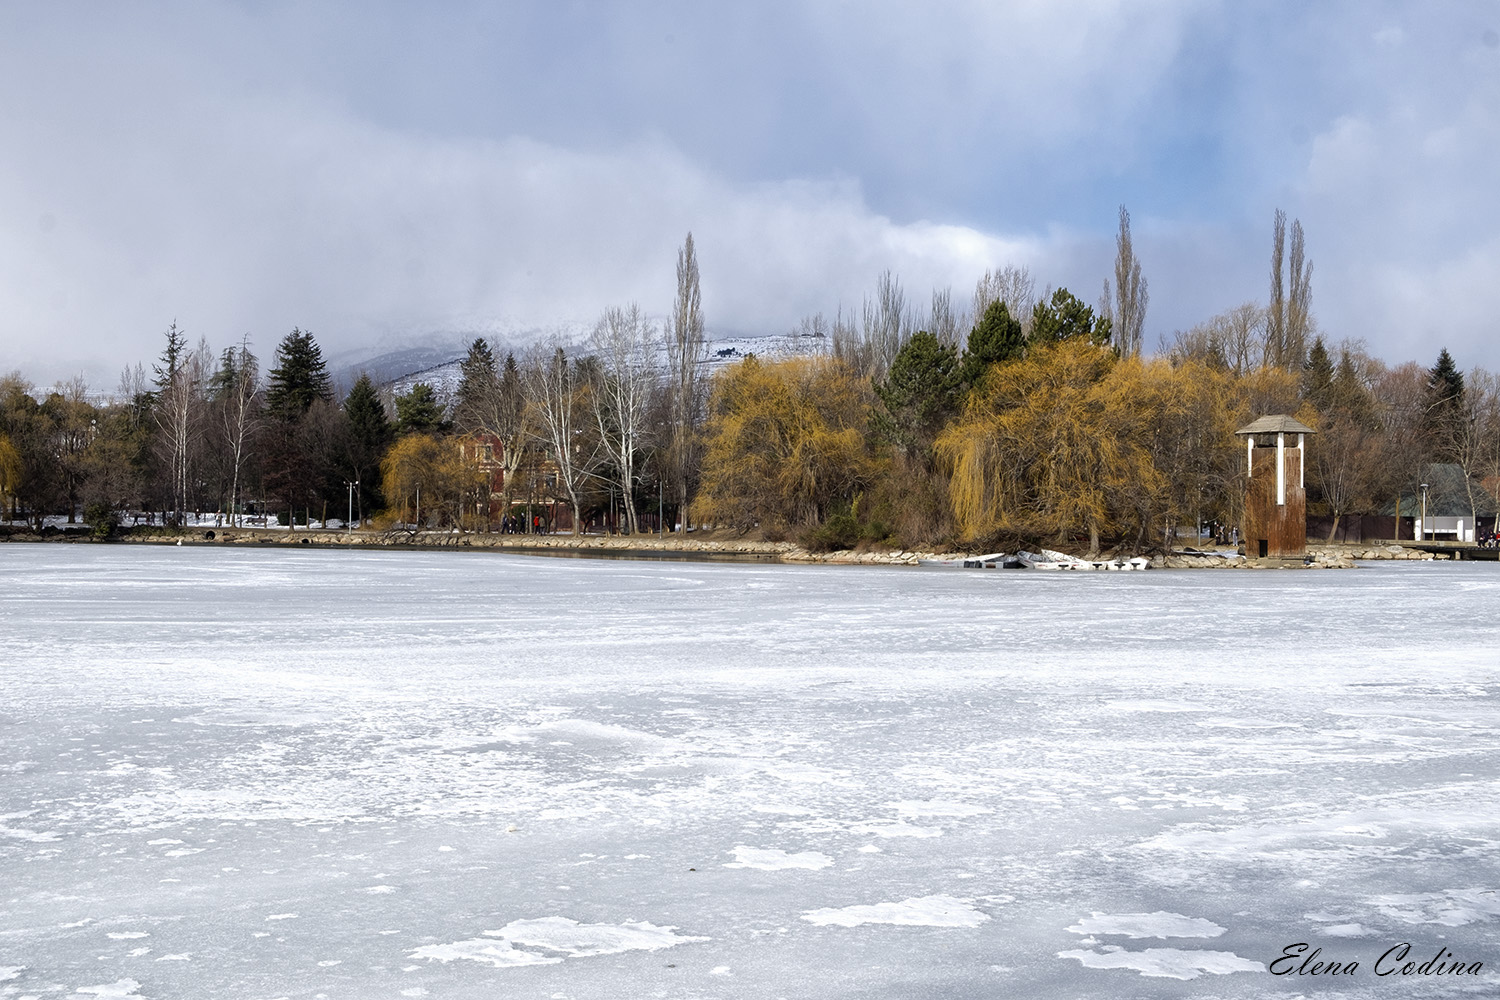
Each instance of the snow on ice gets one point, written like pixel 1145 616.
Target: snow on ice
pixel 1167 963
pixel 773 860
pixel 1147 925
pixel 928 911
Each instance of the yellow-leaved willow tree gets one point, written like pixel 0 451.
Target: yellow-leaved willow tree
pixel 1072 440
pixel 784 443
pixel 428 480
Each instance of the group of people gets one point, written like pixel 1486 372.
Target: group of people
pixel 515 524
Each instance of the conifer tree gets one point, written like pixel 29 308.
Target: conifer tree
pixel 1317 377
pixel 366 414
pixel 419 410
pixel 919 394
pixel 369 436
pixel 175 408
pixel 1444 415
pixel 1348 394
pixel 1066 317
pixel 296 470
pixel 995 338
pixel 478 382
pixel 300 376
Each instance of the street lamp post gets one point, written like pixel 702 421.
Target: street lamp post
pixel 1422 531
pixel 349 521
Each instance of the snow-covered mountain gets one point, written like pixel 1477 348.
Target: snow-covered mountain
pixel 439 365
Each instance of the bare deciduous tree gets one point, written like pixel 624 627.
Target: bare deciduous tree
pixel 491 400
pixel 239 383
pixel 812 335
pixel 1232 340
pixel 621 392
pixel 847 345
pixel 947 324
pixel 180 381
pixel 556 394
pixel 1400 407
pixel 886 325
pixel 1341 465
pixel 1472 438
pixel 1010 284
pixel 1244 333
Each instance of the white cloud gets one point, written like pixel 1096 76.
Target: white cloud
pixel 255 216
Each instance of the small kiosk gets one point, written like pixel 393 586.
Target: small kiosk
pixel 1275 525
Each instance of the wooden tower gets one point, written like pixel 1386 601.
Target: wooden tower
pixel 1275 488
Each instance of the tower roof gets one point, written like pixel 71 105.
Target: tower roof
pixel 1276 423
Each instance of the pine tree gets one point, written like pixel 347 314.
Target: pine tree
pixel 477 384
pixel 366 415
pixel 419 411
pixel 1066 317
pixel 173 407
pixel 172 357
pixel 1444 415
pixel 1348 395
pixel 300 376
pixel 369 436
pixel 997 337
pixel 1318 376
pixel 919 394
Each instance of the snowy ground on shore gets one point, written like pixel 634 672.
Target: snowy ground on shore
pixel 365 774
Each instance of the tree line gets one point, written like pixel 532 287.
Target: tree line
pixel 590 430
pixel 1018 414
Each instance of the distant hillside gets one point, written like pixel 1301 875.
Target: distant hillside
pixel 439 367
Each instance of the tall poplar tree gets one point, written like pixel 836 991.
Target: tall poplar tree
pixel 687 349
pixel 1126 309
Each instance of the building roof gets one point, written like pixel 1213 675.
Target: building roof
pixel 1274 424
pixel 1448 494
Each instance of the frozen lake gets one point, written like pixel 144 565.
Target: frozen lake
pixel 249 774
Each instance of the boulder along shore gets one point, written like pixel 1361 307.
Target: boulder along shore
pixel 1338 556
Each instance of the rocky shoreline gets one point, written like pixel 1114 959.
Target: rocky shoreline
pixel 1339 556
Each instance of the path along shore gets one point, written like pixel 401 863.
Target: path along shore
pixel 656 546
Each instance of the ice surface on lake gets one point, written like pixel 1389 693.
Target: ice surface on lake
pixel 260 774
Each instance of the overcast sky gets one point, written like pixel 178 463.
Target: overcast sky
pixel 378 172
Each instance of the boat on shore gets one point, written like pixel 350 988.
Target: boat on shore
pixel 1230 554
pixel 1047 560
